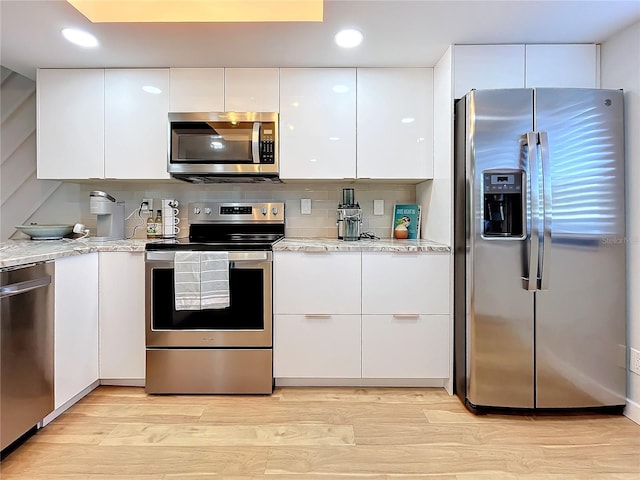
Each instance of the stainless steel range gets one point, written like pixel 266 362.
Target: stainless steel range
pixel 193 348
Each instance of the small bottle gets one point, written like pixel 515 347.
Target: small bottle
pixel 151 226
pixel 159 224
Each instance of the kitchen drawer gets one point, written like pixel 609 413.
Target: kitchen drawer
pixel 316 283
pixel 316 346
pixel 405 283
pixel 415 346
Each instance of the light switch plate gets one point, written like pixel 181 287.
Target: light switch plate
pixel 305 206
pixel 378 207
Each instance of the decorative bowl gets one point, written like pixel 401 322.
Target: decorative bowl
pixel 45 232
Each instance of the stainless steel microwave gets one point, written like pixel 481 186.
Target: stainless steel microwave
pixel 223 147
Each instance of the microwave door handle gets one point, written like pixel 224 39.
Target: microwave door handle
pixel 255 142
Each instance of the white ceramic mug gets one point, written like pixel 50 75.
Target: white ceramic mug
pixel 168 211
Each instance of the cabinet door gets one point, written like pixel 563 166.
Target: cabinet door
pixel 316 283
pixel 487 66
pixel 122 344
pixel 196 90
pixel 415 346
pixel 70 124
pixel 317 123
pixel 405 283
pixel 251 90
pixel 316 346
pixel 76 326
pixel 563 66
pixel 395 123
pixel 136 123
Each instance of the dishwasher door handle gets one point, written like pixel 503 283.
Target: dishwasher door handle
pixel 23 287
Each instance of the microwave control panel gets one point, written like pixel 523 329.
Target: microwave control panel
pixel 267 144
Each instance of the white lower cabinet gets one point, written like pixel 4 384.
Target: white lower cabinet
pixel 122 343
pixel 318 346
pixel 76 326
pixel 368 316
pixel 405 346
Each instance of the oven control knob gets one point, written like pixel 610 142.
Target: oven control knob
pixel 264 212
pixel 274 210
pixel 196 210
pixel 207 210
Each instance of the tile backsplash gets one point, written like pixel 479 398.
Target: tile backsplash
pixel 321 223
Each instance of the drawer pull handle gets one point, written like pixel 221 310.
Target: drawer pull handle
pixel 316 315
pixel 406 315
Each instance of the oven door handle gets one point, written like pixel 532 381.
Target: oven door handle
pixel 234 257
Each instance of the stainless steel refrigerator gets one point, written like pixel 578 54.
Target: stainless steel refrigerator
pixel 540 299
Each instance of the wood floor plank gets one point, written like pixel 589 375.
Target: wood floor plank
pixel 583 432
pixel 133 413
pixel 314 412
pixel 365 394
pixel 227 435
pixel 78 432
pixel 464 416
pixel 548 476
pixel 129 461
pixel 449 460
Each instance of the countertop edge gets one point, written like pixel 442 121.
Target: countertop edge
pixel 23 252
pixel 320 245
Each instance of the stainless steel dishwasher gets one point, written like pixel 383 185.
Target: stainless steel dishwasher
pixel 26 350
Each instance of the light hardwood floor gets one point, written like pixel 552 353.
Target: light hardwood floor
pixel 325 433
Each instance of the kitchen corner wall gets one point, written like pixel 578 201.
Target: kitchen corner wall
pixel 324 196
pixel 620 67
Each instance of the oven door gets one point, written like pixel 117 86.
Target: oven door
pixel 247 322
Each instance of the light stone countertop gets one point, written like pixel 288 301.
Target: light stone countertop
pixel 23 252
pixel 365 245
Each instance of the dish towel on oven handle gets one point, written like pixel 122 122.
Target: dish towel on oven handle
pixel 214 280
pixel 201 280
pixel 186 280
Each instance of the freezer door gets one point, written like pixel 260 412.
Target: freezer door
pixel 499 308
pixel 580 311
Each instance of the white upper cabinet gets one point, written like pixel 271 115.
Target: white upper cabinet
pixel 197 90
pixel 563 66
pixel 137 107
pixel 251 90
pixel 70 123
pixel 317 123
pixel 520 66
pixel 487 66
pixel 395 123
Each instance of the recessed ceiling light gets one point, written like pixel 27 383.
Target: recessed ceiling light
pixel 79 37
pixel 348 38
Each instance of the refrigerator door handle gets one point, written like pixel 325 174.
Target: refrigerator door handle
pixel 547 212
pixel 530 282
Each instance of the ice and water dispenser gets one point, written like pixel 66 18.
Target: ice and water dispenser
pixel 503 194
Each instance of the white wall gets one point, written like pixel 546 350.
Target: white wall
pixel 620 68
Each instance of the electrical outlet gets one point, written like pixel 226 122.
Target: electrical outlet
pixel 305 206
pixel 378 207
pixel 149 202
pixel 634 361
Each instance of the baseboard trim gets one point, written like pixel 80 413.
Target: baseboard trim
pixel 123 382
pixel 69 403
pixel 632 411
pixel 360 382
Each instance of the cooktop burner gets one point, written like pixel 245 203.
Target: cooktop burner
pixel 229 226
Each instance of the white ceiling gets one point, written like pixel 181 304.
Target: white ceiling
pixel 397 33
